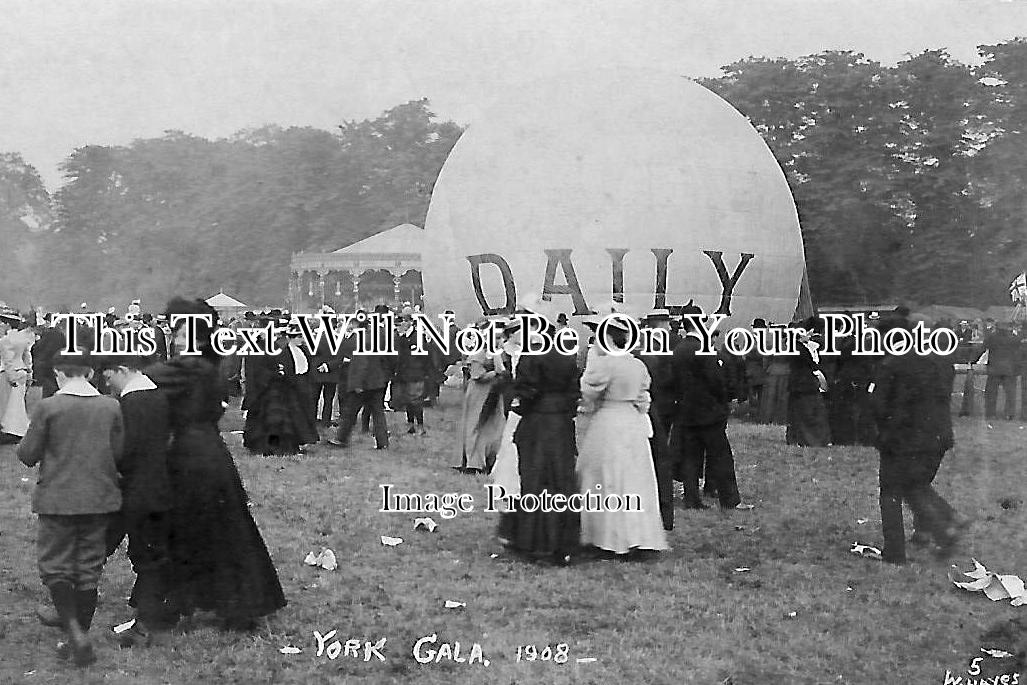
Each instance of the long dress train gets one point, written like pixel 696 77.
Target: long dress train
pixel 219 561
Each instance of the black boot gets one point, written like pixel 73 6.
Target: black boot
pixel 65 601
pixel 86 606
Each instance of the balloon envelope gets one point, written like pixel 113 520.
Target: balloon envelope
pixel 631 186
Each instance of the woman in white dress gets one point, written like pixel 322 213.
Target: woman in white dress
pixel 506 473
pixel 15 377
pixel 614 455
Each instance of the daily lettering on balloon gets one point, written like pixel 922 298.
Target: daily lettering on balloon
pixel 560 264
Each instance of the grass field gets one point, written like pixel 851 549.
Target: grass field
pixel 808 611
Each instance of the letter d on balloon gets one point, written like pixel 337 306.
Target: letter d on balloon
pixel 510 289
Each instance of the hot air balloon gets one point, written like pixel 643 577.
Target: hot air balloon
pixel 639 187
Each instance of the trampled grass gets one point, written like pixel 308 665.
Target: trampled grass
pixel 808 611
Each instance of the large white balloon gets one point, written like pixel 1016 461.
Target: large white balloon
pixel 630 186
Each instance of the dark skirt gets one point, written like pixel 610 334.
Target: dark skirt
pixel 774 400
pixel 219 561
pixel 807 421
pixel 278 421
pixel 546 453
pixel 407 395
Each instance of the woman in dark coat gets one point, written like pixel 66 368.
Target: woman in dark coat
pixel 219 561
pixel 807 412
pixel 278 416
pixel 546 391
pixel 773 406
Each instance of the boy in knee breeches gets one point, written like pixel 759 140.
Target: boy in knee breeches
pixel 75 437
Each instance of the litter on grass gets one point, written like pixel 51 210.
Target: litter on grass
pixel 122 627
pixel 427 523
pixel 325 559
pixel 993 585
pixel 865 551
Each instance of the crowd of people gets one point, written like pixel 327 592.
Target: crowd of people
pixel 900 404
pixel 152 465
pixel 823 399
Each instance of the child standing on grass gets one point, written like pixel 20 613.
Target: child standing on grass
pixel 146 495
pixel 76 438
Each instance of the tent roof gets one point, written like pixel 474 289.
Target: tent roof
pixel 942 311
pixel 222 301
pixel 402 238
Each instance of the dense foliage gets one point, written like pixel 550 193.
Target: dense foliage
pixel 909 180
pixel 181 214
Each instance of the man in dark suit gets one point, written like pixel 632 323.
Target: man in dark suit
pixel 324 378
pixel 851 422
pixel 366 381
pixel 755 371
pixel 1003 356
pixel 661 415
pixel 910 402
pixel 700 426
pixel 439 361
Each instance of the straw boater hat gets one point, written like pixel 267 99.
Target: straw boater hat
pixel 656 315
pixel 9 316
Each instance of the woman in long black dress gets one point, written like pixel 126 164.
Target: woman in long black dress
pixel 807 413
pixel 219 561
pixel 546 389
pixel 279 419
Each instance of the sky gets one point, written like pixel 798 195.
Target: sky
pixel 109 71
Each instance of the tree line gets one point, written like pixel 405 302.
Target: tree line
pixel 909 182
